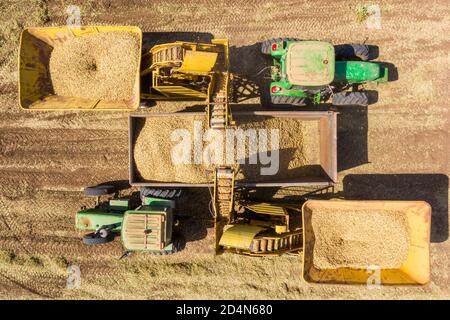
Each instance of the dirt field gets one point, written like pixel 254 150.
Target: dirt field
pixel 397 148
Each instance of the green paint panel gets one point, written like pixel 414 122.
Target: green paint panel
pixel 92 219
pixel 285 89
pixel 357 71
pixel 151 201
pixel 119 204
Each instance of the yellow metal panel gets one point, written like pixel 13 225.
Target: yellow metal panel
pixel 281 229
pixel 415 268
pixel 239 236
pixel 198 62
pixel 267 208
pixel 35 89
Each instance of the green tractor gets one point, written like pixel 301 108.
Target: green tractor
pixel 149 227
pixel 314 71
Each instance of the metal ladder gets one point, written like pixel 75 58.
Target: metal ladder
pixel 223 191
pixel 218 102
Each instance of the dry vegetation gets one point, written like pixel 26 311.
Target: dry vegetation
pixel 47 157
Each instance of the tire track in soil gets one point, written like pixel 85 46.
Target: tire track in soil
pixel 31 159
pixel 40 286
pixel 110 121
pixel 25 236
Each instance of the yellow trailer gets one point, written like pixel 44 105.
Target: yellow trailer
pixel 35 83
pixel 413 270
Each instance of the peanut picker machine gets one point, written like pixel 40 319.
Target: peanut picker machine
pixel 272 229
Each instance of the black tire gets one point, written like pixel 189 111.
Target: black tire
pixel 95 238
pixel 100 190
pixel 144 105
pixel 296 101
pixel 348 51
pixel 266 46
pixel 160 193
pixel 177 246
pixel 350 99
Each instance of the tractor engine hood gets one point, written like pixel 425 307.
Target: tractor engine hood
pixel 357 71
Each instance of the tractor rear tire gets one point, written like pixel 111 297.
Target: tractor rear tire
pixel 177 246
pixel 100 190
pixel 295 101
pixel 160 193
pixel 350 99
pixel 355 50
pixel 266 46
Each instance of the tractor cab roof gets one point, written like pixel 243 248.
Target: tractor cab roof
pixel 310 63
pixel 144 229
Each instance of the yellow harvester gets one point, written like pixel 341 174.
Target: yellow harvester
pixel 270 229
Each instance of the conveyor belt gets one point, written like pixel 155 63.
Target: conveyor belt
pixel 278 244
pixel 168 54
pixel 223 191
pixel 218 102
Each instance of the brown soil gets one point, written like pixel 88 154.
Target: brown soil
pixel 396 148
pixel 101 66
pixel 359 238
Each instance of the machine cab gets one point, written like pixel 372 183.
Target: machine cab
pixel 149 227
pixel 310 63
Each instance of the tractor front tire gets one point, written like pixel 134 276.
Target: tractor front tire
pixel 101 237
pixel 355 50
pixel 350 99
pixel 177 246
pixel 266 46
pixel 295 101
pixel 100 190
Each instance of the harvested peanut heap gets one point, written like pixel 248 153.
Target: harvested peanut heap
pixel 298 149
pixel 359 238
pixel 153 150
pixel 99 66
